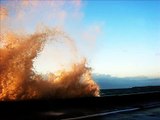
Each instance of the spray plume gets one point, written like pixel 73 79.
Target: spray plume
pixel 19 81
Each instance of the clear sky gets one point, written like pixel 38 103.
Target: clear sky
pixel 127 34
pixel 130 41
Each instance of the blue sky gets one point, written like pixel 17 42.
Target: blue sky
pixel 129 39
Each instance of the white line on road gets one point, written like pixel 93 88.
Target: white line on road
pixel 101 114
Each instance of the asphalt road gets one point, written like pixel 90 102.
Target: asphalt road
pixel 147 114
pixel 123 107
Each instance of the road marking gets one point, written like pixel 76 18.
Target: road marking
pixel 102 114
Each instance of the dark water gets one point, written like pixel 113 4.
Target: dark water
pixel 133 90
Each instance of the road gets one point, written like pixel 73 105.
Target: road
pixel 144 106
pixel 148 114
